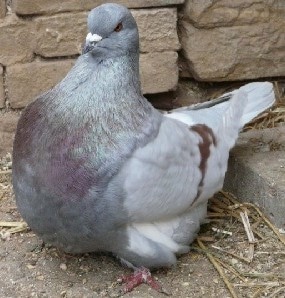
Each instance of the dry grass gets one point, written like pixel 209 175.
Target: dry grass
pixel 247 250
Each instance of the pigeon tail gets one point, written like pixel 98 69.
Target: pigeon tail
pixel 260 97
pixel 246 103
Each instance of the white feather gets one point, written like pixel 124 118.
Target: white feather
pixel 181 117
pixel 260 97
pixel 150 231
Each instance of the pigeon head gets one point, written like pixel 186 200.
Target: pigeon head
pixel 113 32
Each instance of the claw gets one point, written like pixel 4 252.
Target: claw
pixel 141 275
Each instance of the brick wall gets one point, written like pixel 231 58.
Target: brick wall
pixel 40 40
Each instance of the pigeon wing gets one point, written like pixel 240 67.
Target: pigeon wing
pixel 186 163
pixel 164 178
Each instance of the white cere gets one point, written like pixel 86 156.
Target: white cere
pixel 93 37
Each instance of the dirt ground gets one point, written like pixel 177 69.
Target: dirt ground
pixel 252 270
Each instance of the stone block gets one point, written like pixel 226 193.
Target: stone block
pixel 157 29
pixel 63 34
pixel 2 8
pixel 17 40
pixel 159 72
pixel 30 7
pixel 205 14
pixel 25 81
pixel 8 124
pixel 2 92
pixel 256 171
pixel 233 40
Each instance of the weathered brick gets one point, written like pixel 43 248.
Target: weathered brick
pixel 159 72
pixel 17 40
pixel 2 8
pixel 25 81
pixel 2 96
pixel 232 40
pixel 8 124
pixel 63 34
pixel 157 29
pixel 30 7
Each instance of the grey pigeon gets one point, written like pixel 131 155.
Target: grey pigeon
pixel 97 168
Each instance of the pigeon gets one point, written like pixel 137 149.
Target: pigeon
pixel 97 168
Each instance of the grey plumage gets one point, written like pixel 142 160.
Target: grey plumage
pixel 96 167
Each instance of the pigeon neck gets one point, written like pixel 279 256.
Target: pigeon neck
pixel 120 75
pixel 95 89
pixel 113 78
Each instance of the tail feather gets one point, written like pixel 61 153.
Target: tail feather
pixel 260 97
pixel 246 103
pixel 230 126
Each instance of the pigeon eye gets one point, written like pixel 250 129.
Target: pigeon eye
pixel 119 27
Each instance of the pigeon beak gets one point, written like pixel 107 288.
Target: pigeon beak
pixel 87 47
pixel 91 41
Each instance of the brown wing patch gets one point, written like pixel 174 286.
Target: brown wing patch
pixel 208 139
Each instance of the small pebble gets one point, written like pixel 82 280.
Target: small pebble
pixel 259 266
pixel 30 266
pixel 5 235
pixel 63 266
pixel 40 277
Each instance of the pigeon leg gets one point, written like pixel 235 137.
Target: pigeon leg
pixel 141 275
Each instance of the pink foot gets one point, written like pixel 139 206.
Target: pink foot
pixel 141 275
